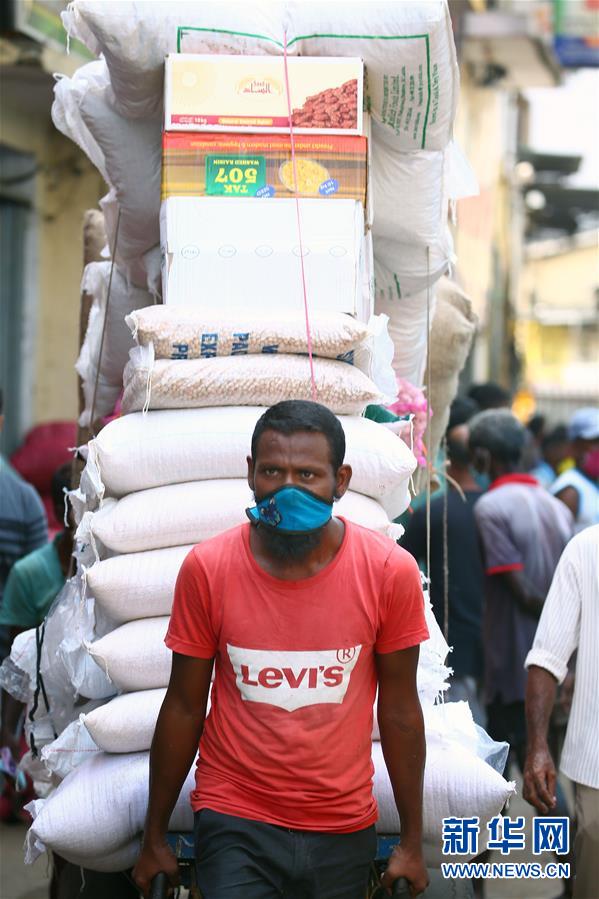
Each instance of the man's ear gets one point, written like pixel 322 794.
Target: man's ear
pixel 250 463
pixel 342 479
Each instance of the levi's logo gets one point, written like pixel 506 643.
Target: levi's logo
pixel 293 680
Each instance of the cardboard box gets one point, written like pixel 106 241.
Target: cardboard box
pixel 233 93
pixel 246 253
pixel 260 165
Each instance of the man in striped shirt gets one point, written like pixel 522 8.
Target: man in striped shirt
pixel 569 622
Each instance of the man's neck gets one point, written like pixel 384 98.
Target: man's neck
pixel 462 478
pixel 311 564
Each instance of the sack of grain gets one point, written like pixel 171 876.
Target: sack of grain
pixel 243 381
pixel 457 781
pixel 98 811
pixel 413 267
pixel 113 338
pixel 127 154
pixel 407 323
pixel 136 585
pixel 137 452
pixel 181 514
pixel 132 156
pixel 452 332
pixel 427 181
pixel 127 722
pixel 134 656
pixel 71 748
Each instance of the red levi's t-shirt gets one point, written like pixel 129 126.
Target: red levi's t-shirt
pixel 287 740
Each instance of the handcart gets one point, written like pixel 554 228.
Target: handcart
pixel 182 845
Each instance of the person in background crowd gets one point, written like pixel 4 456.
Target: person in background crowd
pixel 23 526
pixel 578 487
pixel 465 584
pixel 291 606
pixel 490 396
pixel 569 622
pixel 32 586
pixel 523 531
pixel 555 448
pixel 535 434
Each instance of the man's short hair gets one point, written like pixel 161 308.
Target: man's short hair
pixel 292 416
pixel 489 396
pixel 500 433
pixel 461 410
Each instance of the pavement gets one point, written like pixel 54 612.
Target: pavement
pixel 20 881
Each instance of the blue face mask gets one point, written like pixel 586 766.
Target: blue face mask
pixel 291 510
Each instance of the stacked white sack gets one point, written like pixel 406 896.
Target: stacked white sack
pixel 79 822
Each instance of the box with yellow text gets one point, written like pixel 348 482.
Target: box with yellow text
pixel 261 165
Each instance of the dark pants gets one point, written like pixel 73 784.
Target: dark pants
pixel 241 859
pixel 506 721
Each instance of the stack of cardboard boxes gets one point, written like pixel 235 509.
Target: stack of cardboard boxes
pixel 229 223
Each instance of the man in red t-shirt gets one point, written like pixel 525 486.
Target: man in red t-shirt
pixel 302 616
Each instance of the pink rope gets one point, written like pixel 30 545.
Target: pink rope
pixel 299 222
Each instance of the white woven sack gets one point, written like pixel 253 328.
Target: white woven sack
pixel 136 585
pixel 98 811
pixel 132 155
pixel 407 49
pixel 243 381
pixel 456 783
pixel 71 748
pixel 408 318
pixel 117 340
pixel 134 656
pixel 127 722
pixel 180 514
pixel 137 452
pixel 414 267
pixel 66 113
pixel 412 191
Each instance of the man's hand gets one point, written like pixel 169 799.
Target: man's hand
pixel 408 864
pixel 540 779
pixel 152 860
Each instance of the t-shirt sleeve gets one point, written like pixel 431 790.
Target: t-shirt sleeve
pixel 401 619
pixel 191 629
pixel 500 553
pixel 16 610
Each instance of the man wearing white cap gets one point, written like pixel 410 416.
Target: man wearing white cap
pixel 577 488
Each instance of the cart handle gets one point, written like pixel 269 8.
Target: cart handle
pixel 159 886
pixel 401 888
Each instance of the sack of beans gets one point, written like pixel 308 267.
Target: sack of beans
pixel 260 380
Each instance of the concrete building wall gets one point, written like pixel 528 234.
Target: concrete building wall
pixel 64 185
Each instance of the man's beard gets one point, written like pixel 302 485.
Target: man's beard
pixel 289 547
